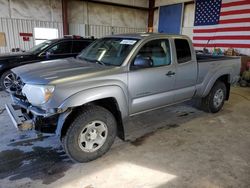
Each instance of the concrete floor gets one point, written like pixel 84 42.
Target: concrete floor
pixel 181 147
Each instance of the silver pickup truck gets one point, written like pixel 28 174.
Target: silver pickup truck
pixel 87 101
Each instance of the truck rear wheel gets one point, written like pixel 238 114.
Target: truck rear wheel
pixel 214 101
pixel 90 135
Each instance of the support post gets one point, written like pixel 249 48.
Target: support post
pixel 151 16
pixel 65 17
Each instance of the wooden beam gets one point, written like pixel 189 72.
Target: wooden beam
pixel 116 4
pixel 151 15
pixel 65 17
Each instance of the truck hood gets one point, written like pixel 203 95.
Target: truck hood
pixel 45 72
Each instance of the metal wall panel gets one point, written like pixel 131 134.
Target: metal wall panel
pixel 188 20
pixel 77 29
pixel 100 30
pixel 119 30
pixel 159 3
pixel 12 28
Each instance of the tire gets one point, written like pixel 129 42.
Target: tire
pixel 214 101
pixel 80 136
pixel 4 76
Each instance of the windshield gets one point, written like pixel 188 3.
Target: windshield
pixel 40 47
pixel 108 51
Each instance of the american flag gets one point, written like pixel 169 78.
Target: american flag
pixel 222 24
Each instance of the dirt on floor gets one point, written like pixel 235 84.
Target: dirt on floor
pixel 177 146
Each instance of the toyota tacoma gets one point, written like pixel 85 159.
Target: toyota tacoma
pixel 87 101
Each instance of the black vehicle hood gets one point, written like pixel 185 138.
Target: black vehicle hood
pixel 46 72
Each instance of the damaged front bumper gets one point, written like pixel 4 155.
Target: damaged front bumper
pixel 24 116
pixel 20 120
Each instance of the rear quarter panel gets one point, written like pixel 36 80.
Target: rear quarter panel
pixel 210 71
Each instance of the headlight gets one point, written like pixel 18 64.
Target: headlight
pixel 38 94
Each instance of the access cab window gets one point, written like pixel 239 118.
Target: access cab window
pixel 153 54
pixel 182 50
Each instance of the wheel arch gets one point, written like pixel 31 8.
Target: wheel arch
pixel 225 78
pixel 113 100
pixel 108 103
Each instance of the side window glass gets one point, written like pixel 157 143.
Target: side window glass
pixel 61 48
pixel 158 51
pixel 182 50
pixel 78 46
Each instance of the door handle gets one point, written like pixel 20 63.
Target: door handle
pixel 170 73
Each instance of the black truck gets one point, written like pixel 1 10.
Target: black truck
pixel 69 46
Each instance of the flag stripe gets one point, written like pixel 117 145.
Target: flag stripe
pixel 233 12
pixel 241 7
pixel 221 41
pixel 237 20
pixel 226 29
pixel 235 16
pixel 247 24
pixel 222 45
pixel 222 38
pixel 237 3
pixel 238 33
pixel 229 1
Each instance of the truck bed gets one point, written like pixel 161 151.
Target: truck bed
pixel 201 58
pixel 209 66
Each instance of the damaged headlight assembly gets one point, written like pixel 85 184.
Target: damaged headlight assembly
pixel 38 94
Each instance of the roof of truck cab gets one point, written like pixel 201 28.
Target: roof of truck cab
pixel 142 35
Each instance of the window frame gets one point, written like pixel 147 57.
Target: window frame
pixel 60 43
pixel 142 45
pixel 184 39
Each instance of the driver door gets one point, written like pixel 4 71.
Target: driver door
pixel 152 87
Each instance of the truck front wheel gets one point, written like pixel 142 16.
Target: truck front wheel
pixel 90 135
pixel 214 101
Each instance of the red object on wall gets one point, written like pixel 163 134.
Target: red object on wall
pixel 26 34
pixel 26 39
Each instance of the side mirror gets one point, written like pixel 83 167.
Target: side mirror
pixel 142 62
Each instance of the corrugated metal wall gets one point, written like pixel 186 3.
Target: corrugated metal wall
pixel 12 28
pixel 100 30
pixel 188 20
